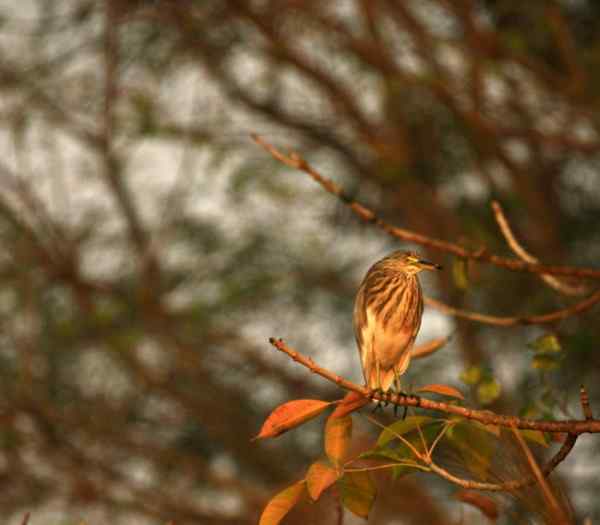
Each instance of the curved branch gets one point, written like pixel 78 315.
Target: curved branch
pixel 293 160
pixel 574 426
pixel 515 246
pixel 552 317
pixel 429 347
pixel 547 492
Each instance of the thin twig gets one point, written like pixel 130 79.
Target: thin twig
pixel 439 437
pixel 423 441
pixel 295 161
pixel 430 347
pixel 405 441
pixel 557 511
pixel 585 403
pixel 410 464
pixel 486 417
pixel 515 246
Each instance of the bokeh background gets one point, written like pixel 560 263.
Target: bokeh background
pixel 150 248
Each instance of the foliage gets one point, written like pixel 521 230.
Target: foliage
pixel 150 248
pixel 404 447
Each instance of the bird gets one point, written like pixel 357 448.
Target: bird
pixel 387 317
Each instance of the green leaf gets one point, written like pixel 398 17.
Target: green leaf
pixel 474 444
pixel 471 376
pixel 404 470
pixel 396 449
pixel 281 504
pixel 492 429
pixel 535 436
pixel 460 273
pixel 358 492
pixel 546 344
pixel 546 362
pixel 400 453
pixel 488 391
pixel 399 428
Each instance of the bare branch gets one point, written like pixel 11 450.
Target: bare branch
pixel 550 280
pixel 551 317
pixel 572 427
pixel 295 161
pixel 557 511
pixel 429 347
pixel 585 403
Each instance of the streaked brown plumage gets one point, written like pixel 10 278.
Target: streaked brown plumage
pixel 387 317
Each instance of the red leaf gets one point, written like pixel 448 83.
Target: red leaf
pixel 444 390
pixel 337 438
pixel 281 504
pixel 320 477
pixel 290 415
pixel 353 401
pixel 486 505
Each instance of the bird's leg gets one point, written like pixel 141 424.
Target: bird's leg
pixel 379 406
pixel 398 390
pixel 378 390
pixel 380 403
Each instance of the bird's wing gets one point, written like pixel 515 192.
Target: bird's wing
pixel 392 345
pixel 395 337
pixel 363 334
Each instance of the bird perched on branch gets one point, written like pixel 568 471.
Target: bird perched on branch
pixel 387 317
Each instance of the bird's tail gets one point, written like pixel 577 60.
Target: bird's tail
pixel 383 378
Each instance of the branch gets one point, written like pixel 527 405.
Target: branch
pixel 551 317
pixel 429 347
pixel 293 160
pixel 550 280
pixel 573 427
pixel 585 403
pixel 507 486
pixel 111 169
pixel 556 510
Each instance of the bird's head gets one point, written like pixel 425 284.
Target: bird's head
pixel 410 263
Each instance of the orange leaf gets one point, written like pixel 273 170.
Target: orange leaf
pixel 290 415
pixel 486 505
pixel 444 390
pixel 320 477
pixel 337 438
pixel 281 504
pixel 353 401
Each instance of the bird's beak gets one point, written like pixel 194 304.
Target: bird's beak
pixel 426 265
